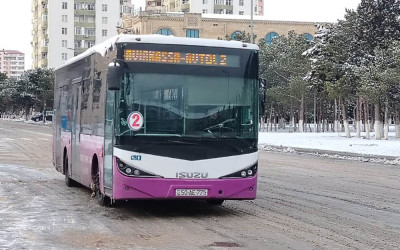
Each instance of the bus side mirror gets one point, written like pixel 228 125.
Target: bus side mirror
pixel 114 74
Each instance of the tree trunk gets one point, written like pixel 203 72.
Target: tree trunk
pixel 345 122
pixel 301 115
pixel 44 111
pixel 315 112
pixel 358 118
pixel 336 121
pixel 386 126
pixel 367 121
pixel 397 122
pixel 292 126
pixel 269 123
pixel 378 121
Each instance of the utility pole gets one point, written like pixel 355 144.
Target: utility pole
pixel 251 22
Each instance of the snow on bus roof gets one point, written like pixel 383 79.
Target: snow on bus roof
pixel 102 48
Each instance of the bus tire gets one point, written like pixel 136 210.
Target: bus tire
pixel 101 198
pixel 68 181
pixel 217 202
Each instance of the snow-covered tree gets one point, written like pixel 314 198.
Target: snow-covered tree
pixel 284 67
pixel 377 25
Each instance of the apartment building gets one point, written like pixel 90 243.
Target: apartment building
pixel 233 7
pixel 63 29
pixel 12 63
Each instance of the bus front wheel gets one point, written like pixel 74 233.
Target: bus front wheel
pixel 102 199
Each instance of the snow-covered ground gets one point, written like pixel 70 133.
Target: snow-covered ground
pixel 333 142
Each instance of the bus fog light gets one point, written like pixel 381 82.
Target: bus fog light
pixel 128 170
pixel 121 165
pixel 243 173
pixel 136 172
pixel 250 172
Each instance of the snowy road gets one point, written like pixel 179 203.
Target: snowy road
pixel 304 202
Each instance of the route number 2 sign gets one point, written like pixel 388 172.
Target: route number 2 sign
pixel 135 121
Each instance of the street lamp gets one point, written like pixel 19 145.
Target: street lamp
pixel 251 21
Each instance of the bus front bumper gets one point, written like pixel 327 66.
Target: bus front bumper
pixel 125 188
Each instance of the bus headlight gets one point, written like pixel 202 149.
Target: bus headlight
pixel 131 170
pixel 248 172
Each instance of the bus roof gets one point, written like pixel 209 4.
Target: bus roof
pixel 103 47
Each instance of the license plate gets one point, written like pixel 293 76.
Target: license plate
pixel 191 192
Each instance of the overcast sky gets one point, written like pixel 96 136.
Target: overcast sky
pixel 16 18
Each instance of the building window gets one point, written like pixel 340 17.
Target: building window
pixel 104 32
pixel 241 13
pixel 165 32
pixel 241 2
pixel 192 33
pixel 89 44
pixel 270 36
pixel 44 17
pixel 104 7
pixel 104 20
pixel 309 37
pixel 205 11
pixel 90 6
pixel 233 36
pixel 64 56
pixel 79 18
pixel 229 12
pixel 64 43
pixel 90 19
pixel 228 2
pixel 64 31
pixel 219 2
pixel 64 5
pixel 44 55
pixel 78 31
pixel 64 18
pixel 89 32
pixel 78 44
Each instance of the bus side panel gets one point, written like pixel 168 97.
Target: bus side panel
pixel 90 146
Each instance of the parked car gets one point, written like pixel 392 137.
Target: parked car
pixel 39 117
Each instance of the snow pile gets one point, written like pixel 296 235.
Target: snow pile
pixel 333 145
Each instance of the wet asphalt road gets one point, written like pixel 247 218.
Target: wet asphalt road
pixel 304 202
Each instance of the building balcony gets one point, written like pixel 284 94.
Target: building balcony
pixel 85 25
pixel 223 7
pixel 84 37
pixel 83 12
pixel 80 50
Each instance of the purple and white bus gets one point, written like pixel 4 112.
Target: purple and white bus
pixel 159 117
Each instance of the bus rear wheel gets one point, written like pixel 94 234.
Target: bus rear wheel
pixel 102 199
pixel 68 181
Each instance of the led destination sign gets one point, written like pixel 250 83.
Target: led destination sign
pixel 168 57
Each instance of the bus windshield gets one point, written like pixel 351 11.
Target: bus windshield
pixel 178 105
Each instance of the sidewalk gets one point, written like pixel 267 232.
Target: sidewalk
pixel 332 144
